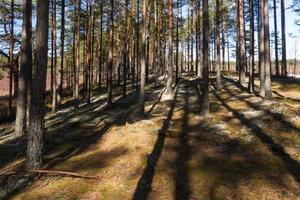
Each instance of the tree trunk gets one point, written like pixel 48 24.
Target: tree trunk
pixel 267 64
pixel 261 51
pixel 155 46
pixel 251 69
pixel 205 48
pixel 241 43
pixel 177 45
pixel 76 74
pixel 169 90
pixel 100 47
pixel 137 32
pixel 88 51
pixel 143 60
pixel 25 63
pixel 35 136
pixel 284 66
pixel 192 37
pixel 188 40
pixel 11 58
pixel 276 38
pixel 125 49
pixel 62 44
pixel 54 86
pixel 110 54
pixel 218 44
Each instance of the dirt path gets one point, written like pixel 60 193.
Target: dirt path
pixel 246 149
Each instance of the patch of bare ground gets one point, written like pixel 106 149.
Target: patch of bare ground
pixel 245 149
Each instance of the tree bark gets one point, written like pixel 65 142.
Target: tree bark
pixel 100 47
pixel 125 49
pixel 35 136
pixel 25 63
pixel 11 58
pixel 54 83
pixel 143 60
pixel 276 38
pixel 218 45
pixel 283 36
pixel 241 42
pixel 267 59
pixel 111 49
pixel 261 51
pixel 62 44
pixel 169 90
pixel 205 49
pixel 76 71
pixel 251 69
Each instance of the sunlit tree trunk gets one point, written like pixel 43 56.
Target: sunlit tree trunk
pixel 276 38
pixel 155 45
pixel 143 60
pixel 261 51
pixel 241 43
pixel 267 59
pixel 62 44
pixel 177 45
pixel 169 90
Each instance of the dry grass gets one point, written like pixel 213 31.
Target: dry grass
pixel 246 149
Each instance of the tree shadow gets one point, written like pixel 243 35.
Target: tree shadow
pixel 77 139
pixel 182 188
pixel 275 115
pixel 143 187
pixel 276 149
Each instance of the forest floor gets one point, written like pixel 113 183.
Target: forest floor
pixel 247 148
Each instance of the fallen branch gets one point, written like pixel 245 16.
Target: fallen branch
pixel 52 172
pixel 72 174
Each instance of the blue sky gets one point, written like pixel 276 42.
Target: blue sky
pixel 291 28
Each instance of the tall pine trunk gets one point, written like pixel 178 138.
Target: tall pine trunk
pixel 54 57
pixel 267 59
pixel 276 38
pixel 77 44
pixel 205 49
pixel 261 50
pixel 11 58
pixel 100 50
pixel 125 49
pixel 241 43
pixel 110 53
pixel 25 64
pixel 62 44
pixel 218 45
pixel 283 36
pixel 169 90
pixel 143 60
pixel 251 69
pixel 35 137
